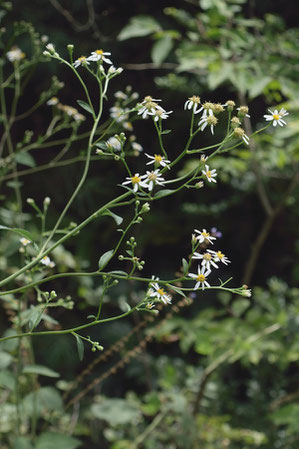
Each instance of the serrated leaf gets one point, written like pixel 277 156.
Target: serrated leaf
pixel 185 266
pixel 25 158
pixel 161 49
pixel 80 347
pixel 104 259
pixel 40 370
pixel 117 218
pixel 19 231
pixel 34 318
pixel 139 26
pixel 85 106
pixel 163 193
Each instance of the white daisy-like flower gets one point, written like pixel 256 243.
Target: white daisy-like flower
pixel 200 277
pixel 160 114
pixel 149 99
pixel 207 108
pixel 113 144
pixel 210 174
pixel 157 292
pixel 218 256
pixel 53 101
pixel 152 178
pixel 47 262
pixel 192 103
pixel 204 236
pixel 206 260
pixel 276 117
pixel 137 147
pixel 25 241
pixel 210 120
pixel 149 109
pixel 121 95
pixel 100 55
pixel 136 181
pixel 157 159
pixel 15 54
pixel 81 61
pixel 119 114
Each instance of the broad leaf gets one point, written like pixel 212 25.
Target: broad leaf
pixel 161 49
pixel 19 231
pixel 25 158
pixel 51 440
pixel 80 347
pixel 139 26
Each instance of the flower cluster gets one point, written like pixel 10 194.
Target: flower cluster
pixel 209 259
pixel 99 56
pixel 69 111
pixel 150 107
pixel 15 54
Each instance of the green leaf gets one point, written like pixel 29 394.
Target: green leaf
pixel 116 411
pixel 258 86
pixel 166 131
pixel 139 26
pixel 105 258
pixel 185 266
pixel 161 49
pixel 177 290
pixel 34 317
pixel 117 218
pixel 80 347
pixel 40 370
pixel 120 272
pixel 52 440
pixel 22 443
pixel 85 106
pixel 163 193
pixel 42 401
pixel 19 231
pixel 25 158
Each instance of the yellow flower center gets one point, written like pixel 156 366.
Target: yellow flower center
pixel 205 234
pixel 161 291
pixel 152 177
pixel 276 116
pixel 135 179
pixel 158 158
pixel 195 99
pixel 220 255
pixel 82 58
pixel 201 278
pixel 208 175
pixel 207 256
pixel 99 52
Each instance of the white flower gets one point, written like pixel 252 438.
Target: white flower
pixel 152 178
pixel 200 277
pixel 25 241
pixel 47 262
pixel 210 174
pixel 207 108
pixel 149 109
pixel 113 144
pixel 192 103
pixel 159 293
pixel 137 147
pixel 149 99
pixel 119 114
pixel 115 71
pixel 204 236
pixel 160 114
pixel 81 61
pixel 240 133
pixel 157 159
pixel 120 95
pixel 206 260
pixel 136 181
pixel 219 256
pixel 15 54
pixel 99 55
pixel 276 117
pixel 210 120
pixel 53 101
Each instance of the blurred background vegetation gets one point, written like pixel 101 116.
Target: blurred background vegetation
pixel 221 372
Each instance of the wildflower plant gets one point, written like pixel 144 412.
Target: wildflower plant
pixel 137 190
pixel 23 287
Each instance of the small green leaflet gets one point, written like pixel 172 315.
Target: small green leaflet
pixel 85 106
pixel 117 218
pixel 19 231
pixel 105 258
pixel 80 347
pixel 185 266
pixel 163 193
